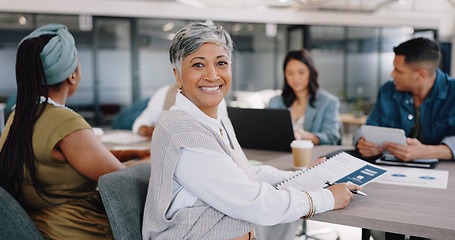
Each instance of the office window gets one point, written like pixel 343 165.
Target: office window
pixel 14 27
pixel 327 46
pixel 255 60
pixel 114 61
pixel 155 69
pixel 353 62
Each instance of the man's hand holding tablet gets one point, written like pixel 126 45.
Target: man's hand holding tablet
pixel 372 142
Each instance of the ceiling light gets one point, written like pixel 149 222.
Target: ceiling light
pixel 410 30
pixel 168 26
pixel 236 28
pixel 22 20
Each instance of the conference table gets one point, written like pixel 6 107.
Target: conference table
pixel 415 211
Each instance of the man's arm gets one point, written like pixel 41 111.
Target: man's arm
pixel 449 141
pixel 151 114
pixel 416 150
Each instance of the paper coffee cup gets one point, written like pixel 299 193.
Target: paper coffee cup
pixel 301 152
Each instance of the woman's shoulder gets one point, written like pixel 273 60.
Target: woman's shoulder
pixel 173 116
pixel 326 96
pixel 59 113
pixel 276 102
pixel 179 121
pixel 60 116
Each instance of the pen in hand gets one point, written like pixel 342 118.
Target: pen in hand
pixel 353 191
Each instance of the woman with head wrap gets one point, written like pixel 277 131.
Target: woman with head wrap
pixel 201 184
pixel 50 158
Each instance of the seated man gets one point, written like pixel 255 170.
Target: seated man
pixel 163 99
pixel 420 101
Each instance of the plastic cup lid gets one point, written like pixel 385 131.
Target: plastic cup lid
pixel 302 144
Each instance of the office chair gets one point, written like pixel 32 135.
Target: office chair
pixel 14 221
pixel 123 194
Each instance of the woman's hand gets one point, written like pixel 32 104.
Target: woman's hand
pixel 300 134
pixel 146 131
pixel 134 162
pixel 342 194
pixel 129 154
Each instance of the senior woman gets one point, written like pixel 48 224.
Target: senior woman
pixel 201 185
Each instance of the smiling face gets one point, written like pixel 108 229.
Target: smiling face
pixel 297 75
pixel 206 77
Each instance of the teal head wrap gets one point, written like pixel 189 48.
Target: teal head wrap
pixel 59 56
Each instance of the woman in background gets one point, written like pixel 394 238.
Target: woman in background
pixel 201 183
pixel 314 112
pixel 50 158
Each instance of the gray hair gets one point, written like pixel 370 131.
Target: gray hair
pixel 190 38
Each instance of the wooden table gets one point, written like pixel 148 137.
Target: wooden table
pixel 424 212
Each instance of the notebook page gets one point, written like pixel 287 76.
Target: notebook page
pixel 339 168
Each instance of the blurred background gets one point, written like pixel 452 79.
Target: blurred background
pixel 123 44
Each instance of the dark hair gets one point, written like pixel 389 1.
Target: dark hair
pixel 17 151
pixel 305 57
pixel 419 50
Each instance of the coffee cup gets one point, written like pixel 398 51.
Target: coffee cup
pixel 301 152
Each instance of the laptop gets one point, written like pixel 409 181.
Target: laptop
pixel 267 129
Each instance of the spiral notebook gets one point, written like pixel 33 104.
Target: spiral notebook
pixel 340 168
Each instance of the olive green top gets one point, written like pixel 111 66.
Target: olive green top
pixel 57 218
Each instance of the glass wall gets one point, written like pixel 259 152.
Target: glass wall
pixel 352 61
pixel 254 58
pixel 155 69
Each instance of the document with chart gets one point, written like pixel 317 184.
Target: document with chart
pixel 414 177
pixel 340 168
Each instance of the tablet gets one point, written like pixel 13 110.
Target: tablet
pixel 379 135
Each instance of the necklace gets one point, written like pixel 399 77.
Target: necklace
pixel 52 102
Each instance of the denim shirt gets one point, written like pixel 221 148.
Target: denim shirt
pixel 396 109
